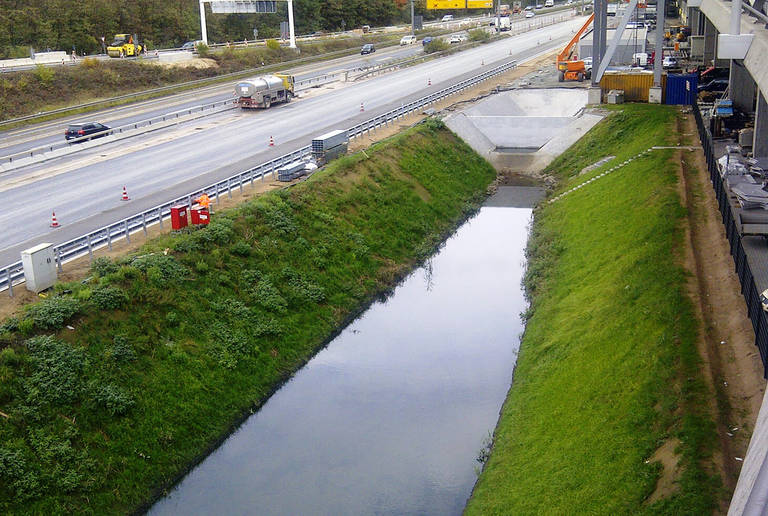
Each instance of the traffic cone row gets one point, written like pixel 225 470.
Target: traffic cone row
pixel 125 195
pixel 271 142
pixel 54 222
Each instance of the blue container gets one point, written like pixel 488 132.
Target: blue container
pixel 682 89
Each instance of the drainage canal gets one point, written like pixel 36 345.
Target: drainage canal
pixel 392 415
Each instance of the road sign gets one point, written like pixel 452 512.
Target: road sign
pixel 243 6
pixel 446 4
pixel 479 4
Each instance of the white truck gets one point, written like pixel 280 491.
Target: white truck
pixel 502 23
pixel 262 92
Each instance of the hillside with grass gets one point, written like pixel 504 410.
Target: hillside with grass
pixel 609 382
pixel 111 388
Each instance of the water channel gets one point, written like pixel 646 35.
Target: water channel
pixel 390 417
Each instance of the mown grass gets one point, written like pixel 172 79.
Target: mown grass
pixel 175 345
pixel 608 369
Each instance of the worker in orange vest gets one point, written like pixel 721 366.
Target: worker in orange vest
pixel 204 201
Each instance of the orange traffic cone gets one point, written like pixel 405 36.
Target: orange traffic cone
pixel 271 142
pixel 361 107
pixel 125 195
pixel 54 222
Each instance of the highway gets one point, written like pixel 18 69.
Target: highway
pixel 84 189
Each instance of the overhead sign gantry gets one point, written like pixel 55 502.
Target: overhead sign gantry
pixel 245 6
pixel 459 4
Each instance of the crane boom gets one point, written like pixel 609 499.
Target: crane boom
pixel 572 70
pixel 565 55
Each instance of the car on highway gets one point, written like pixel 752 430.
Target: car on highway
pixel 529 14
pixel 368 48
pixel 82 129
pixel 191 45
pixel 426 41
pixel 458 38
pixel 447 18
pixel 714 85
pixel 408 40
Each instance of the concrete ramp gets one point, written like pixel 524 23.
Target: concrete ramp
pixel 524 130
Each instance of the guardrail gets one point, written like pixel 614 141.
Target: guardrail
pixel 196 82
pixel 113 130
pixel 85 245
pixel 304 84
pixel 530 25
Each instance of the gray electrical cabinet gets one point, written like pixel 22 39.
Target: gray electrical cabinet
pixel 39 267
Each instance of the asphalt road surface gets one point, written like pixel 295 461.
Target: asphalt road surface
pixel 84 188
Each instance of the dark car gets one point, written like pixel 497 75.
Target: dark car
pixel 368 48
pixel 714 85
pixel 426 41
pixel 80 130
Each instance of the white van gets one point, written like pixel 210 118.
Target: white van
pixel 447 17
pixel 549 3
pixel 408 40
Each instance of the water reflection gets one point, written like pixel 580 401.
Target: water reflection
pixel 389 418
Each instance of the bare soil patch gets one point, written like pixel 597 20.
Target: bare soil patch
pixel 726 340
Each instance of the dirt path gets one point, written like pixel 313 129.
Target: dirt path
pixel 726 340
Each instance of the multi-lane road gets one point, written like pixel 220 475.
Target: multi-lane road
pixel 84 188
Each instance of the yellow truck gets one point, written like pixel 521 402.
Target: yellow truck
pixel 124 45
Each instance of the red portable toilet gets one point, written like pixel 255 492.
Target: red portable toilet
pixel 200 214
pixel 179 216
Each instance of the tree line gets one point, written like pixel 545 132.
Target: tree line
pixel 80 25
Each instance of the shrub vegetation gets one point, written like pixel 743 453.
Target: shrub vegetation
pixel 174 345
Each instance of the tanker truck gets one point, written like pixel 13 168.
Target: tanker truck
pixel 262 92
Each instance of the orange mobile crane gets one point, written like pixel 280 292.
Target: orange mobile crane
pixel 569 67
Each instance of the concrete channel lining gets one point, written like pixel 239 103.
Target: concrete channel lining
pixel 521 120
pixel 524 129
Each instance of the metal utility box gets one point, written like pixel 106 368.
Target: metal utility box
pixel 200 215
pixel 291 171
pixel 329 140
pixel 179 216
pixel 39 267
pixel 615 97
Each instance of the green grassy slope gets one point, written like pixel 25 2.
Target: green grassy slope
pixel 172 347
pixel 608 369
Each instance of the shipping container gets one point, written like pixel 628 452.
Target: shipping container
pixel 682 89
pixel 635 84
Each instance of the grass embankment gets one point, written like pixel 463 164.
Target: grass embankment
pixel 171 347
pixel 609 378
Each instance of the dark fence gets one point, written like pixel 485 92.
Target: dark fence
pixel 748 288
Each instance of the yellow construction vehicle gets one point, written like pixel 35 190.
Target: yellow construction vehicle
pixel 569 66
pixel 678 33
pixel 124 45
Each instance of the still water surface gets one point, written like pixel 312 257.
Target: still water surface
pixel 390 417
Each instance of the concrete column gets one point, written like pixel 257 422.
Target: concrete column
pixel 604 25
pixel 697 22
pixel 710 42
pixel 742 87
pixel 760 143
pixel 597 30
